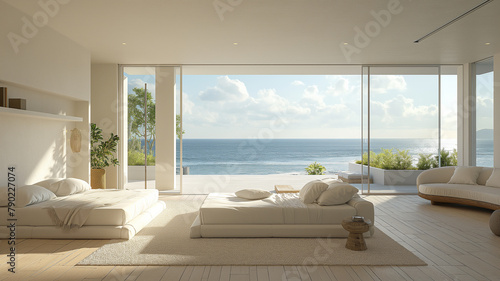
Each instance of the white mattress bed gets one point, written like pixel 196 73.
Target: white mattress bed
pixel 130 211
pixel 280 215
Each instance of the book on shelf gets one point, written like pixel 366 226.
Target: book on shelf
pixel 17 103
pixel 3 97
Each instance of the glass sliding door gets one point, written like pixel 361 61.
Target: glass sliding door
pixel 448 111
pixel 365 130
pixel 484 112
pixel 140 97
pixel 179 132
pixel 269 125
pixel 401 131
pixel 150 95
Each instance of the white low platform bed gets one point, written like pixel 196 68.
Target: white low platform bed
pixel 280 215
pixel 130 211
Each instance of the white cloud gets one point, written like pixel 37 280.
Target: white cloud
pixel 225 90
pixel 244 117
pixel 484 103
pixel 139 83
pixel 268 104
pixel 401 106
pixel 382 84
pixel 339 86
pixel 187 104
pixel 298 83
pixel 402 112
pixel 312 98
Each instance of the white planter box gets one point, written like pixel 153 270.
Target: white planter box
pixel 387 177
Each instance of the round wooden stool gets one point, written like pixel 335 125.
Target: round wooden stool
pixel 495 222
pixel 355 240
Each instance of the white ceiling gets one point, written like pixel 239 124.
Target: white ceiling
pixel 274 31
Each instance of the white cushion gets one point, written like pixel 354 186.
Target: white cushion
pixel 253 194
pixel 465 175
pixel 69 186
pixel 4 196
pixel 313 189
pixel 32 194
pixel 337 194
pixel 494 179
pixel 47 183
pixel 479 192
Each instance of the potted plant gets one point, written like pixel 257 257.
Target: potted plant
pixel 102 155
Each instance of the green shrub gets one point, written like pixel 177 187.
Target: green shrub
pixel 388 160
pixel 454 158
pixel 136 158
pixel 315 169
pixel 374 159
pixel 402 160
pixel 425 161
pixel 447 159
pixel 384 159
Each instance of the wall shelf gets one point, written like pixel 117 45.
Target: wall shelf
pixel 39 115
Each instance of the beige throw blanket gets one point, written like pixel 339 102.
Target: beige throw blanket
pixel 74 210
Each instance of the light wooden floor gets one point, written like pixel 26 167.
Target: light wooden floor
pixel 455 242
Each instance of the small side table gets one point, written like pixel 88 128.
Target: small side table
pixel 355 240
pixel 285 189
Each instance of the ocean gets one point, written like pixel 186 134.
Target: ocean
pixel 292 156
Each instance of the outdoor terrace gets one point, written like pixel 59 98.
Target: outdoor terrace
pixel 204 184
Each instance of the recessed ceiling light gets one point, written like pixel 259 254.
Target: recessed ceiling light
pixel 487 43
pixel 235 43
pixel 345 43
pixel 124 43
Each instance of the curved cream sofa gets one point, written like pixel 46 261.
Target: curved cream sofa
pixel 433 185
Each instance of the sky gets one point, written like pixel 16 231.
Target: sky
pixel 318 106
pixel 484 101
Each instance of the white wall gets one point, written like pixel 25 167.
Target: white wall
pixel 47 61
pixel 165 128
pixel 35 147
pixel 464 118
pixel 53 74
pixel 104 109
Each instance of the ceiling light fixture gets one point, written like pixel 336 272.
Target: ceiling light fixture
pixel 124 43
pixel 235 43
pixel 487 43
pixel 453 21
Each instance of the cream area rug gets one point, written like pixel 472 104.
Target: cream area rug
pixel 165 241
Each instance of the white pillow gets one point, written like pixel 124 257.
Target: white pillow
pixel 494 180
pixel 47 183
pixel 313 189
pixel 253 194
pixel 465 175
pixel 69 186
pixel 337 194
pixel 32 194
pixel 4 197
